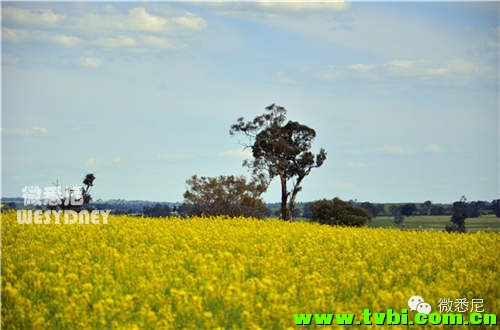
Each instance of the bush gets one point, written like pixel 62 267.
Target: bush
pixel 224 195
pixel 338 212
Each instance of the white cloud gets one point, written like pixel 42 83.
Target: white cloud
pixel 14 35
pixel 139 19
pixel 25 132
pixel 362 68
pixel 31 17
pixel 91 62
pixel 120 41
pixel 190 21
pixel 433 148
pixel 453 72
pixel 402 64
pixel 138 29
pixel 240 153
pixel 40 130
pixel 391 149
pixel 297 5
pixel 92 161
pixel 437 71
pixel 356 165
pixel 65 40
pixel 157 42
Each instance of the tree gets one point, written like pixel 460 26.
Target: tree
pixel 370 208
pixel 397 212
pixel 427 207
pixel 458 216
pixel 157 210
pixel 82 195
pixel 338 212
pixel 438 210
pixel 408 209
pixel 281 150
pixel 474 209
pixel 495 206
pixel 224 195
pixel 307 210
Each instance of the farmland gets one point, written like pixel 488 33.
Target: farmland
pixel 229 272
pixel 483 223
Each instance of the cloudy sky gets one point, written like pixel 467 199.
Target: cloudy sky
pixel 403 96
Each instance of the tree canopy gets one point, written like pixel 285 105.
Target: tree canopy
pixel 280 149
pixel 224 195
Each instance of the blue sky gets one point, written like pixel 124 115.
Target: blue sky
pixel 403 96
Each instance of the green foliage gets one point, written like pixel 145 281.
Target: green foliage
pixel 458 216
pixel 495 206
pixel 338 212
pixel 280 149
pixel 157 210
pixel 224 195
pixel 408 209
pixel 397 212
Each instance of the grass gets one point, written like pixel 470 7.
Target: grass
pixel 484 223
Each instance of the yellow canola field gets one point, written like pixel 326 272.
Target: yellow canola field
pixel 136 273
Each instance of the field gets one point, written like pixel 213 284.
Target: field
pixel 483 223
pixel 136 273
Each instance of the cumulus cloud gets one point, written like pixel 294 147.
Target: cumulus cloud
pixel 25 131
pixel 137 29
pixel 297 5
pixel 91 62
pixel 362 67
pixel 190 21
pixel 240 153
pixel 391 149
pixel 65 40
pixel 157 42
pixel 14 35
pixel 30 16
pixel 140 19
pixel 456 72
pixel 402 64
pixel 118 41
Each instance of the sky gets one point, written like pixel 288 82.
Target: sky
pixel 404 97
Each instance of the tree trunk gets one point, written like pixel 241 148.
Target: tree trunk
pixel 284 197
pixel 296 189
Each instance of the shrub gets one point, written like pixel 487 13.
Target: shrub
pixel 338 212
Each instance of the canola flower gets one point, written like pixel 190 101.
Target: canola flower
pixel 229 273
